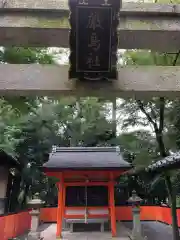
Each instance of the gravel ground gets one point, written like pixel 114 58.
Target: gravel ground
pixel 154 230
pixel 48 232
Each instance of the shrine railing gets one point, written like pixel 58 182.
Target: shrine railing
pixel 124 213
pixel 16 224
pixel 13 225
pixel 92 212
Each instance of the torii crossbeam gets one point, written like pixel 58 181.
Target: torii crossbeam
pixel 45 24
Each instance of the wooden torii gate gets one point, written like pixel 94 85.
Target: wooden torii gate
pixel 45 24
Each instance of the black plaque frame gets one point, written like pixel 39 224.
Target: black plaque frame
pixel 100 61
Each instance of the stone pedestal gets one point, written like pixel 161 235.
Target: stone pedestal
pixel 4 172
pixel 2 205
pixel 136 232
pixel 34 234
pixel 35 204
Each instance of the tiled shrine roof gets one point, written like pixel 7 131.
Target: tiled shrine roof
pixel 169 162
pixel 86 158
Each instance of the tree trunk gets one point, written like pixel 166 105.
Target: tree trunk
pixel 160 141
pixel 8 192
pixel 114 125
pixel 170 188
pixel 26 190
pixel 172 197
pixel 14 205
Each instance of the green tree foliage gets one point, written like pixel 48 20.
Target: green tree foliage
pixel 84 122
pixel 19 55
pixel 38 132
pixel 17 114
pixel 63 122
pixel 154 113
pixel 9 127
pixel 138 147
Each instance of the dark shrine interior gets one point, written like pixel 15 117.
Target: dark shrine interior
pixel 87 196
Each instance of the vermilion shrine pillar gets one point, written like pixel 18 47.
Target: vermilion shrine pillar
pixel 60 209
pixel 112 208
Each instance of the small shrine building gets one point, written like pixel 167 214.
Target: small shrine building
pixel 85 173
pixel 6 163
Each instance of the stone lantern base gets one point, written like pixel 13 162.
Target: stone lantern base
pixel 34 236
pixel 137 237
pixel 136 232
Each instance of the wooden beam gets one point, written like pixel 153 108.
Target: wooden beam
pixel 75 184
pixel 35 79
pixel 56 5
pixel 41 4
pixel 45 24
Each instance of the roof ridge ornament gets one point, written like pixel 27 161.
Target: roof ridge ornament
pixel 83 2
pixel 106 3
pixel 54 148
pixel 118 149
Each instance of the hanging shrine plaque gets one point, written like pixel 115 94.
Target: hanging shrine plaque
pixel 93 39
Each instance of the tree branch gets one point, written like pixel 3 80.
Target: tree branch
pixel 162 101
pixel 153 112
pixel 155 58
pixel 161 114
pixel 176 58
pixel 141 106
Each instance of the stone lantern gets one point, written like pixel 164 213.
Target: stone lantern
pixel 35 204
pixel 135 201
